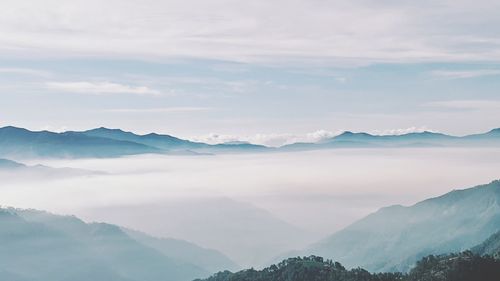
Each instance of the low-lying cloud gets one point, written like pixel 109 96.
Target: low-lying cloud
pixel 315 193
pixel 272 139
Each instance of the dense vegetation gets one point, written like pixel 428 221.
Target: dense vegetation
pixel 465 266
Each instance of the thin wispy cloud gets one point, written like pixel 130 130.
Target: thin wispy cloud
pixel 402 131
pixel 25 71
pixel 467 104
pixel 160 110
pixel 269 139
pixel 464 74
pixel 98 88
pixel 255 31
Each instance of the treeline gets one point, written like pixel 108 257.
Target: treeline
pixel 464 266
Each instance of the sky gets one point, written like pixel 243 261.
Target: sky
pixel 270 72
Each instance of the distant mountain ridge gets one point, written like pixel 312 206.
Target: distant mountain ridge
pixel 22 143
pixel 394 238
pixel 9 164
pixel 39 246
pixel 102 142
pixel 20 172
pixel 155 140
pixel 18 143
pixel 171 143
pixel 421 139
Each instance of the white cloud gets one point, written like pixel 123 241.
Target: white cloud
pixel 98 88
pixel 279 31
pixel 276 140
pixel 54 129
pixel 467 104
pixel 402 131
pixel 25 71
pixel 320 135
pixel 159 110
pixel 272 139
pixel 453 74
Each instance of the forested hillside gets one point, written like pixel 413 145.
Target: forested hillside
pixel 464 266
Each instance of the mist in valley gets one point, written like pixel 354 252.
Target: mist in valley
pixel 251 207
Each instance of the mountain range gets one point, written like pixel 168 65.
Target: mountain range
pixel 422 139
pixel 41 246
pixel 395 237
pixel 16 143
pixel 247 234
pixel 38 246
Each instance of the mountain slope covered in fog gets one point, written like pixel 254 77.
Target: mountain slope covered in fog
pixel 394 238
pixel 489 247
pixel 249 235
pixel 40 246
pixel 181 250
pixel 14 171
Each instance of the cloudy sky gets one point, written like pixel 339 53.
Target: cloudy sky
pixel 266 71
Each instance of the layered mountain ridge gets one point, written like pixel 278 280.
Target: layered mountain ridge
pixel 41 246
pixel 16 143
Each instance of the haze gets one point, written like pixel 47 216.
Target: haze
pixel 222 197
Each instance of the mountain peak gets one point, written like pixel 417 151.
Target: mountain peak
pixel 9 164
pixel 13 128
pixel 350 133
pixel 427 133
pixel 104 129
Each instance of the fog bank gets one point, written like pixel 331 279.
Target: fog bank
pixel 312 193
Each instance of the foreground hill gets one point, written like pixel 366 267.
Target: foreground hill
pixel 39 246
pixel 394 238
pixel 455 267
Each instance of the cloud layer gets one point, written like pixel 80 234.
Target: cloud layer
pixel 298 30
pixel 276 139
